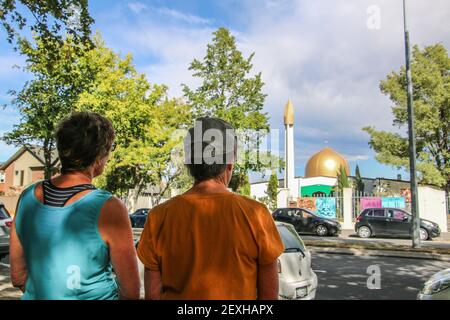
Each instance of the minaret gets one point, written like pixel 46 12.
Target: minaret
pixel 289 170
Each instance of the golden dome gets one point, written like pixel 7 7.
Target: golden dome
pixel 289 113
pixel 326 163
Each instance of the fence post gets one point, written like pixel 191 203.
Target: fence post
pixel 347 205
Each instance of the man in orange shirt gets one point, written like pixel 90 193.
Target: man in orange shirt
pixel 210 243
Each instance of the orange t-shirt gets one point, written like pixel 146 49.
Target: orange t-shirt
pixel 209 246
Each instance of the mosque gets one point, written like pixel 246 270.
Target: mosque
pixel 321 171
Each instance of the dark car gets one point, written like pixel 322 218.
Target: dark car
pixel 392 222
pixel 5 225
pixel 139 217
pixel 306 222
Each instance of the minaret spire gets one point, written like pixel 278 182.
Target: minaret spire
pixel 289 171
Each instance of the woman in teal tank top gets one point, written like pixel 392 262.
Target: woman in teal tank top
pixel 67 235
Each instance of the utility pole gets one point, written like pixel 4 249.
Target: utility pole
pixel 412 138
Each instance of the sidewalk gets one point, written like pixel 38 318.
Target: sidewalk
pixel 349 243
pixel 445 236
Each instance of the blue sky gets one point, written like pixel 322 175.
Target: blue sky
pixel 321 54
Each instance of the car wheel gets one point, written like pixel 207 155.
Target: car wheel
pixel 423 234
pixel 364 232
pixel 321 230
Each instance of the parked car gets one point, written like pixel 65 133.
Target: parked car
pixel 392 222
pixel 296 278
pixel 139 217
pixel 437 287
pixel 307 222
pixel 5 225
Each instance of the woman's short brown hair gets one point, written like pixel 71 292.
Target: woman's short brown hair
pixel 81 139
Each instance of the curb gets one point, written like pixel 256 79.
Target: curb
pixel 381 253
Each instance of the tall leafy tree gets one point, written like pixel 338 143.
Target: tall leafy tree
pixel 272 190
pixel 230 91
pixel 431 82
pixel 145 121
pixel 49 19
pixel 359 182
pixel 51 94
pixel 342 179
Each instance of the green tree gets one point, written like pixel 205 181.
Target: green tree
pixel 50 19
pixel 57 80
pixel 244 188
pixel 359 182
pixel 272 190
pixel 342 179
pixel 431 81
pixel 228 91
pixel 145 121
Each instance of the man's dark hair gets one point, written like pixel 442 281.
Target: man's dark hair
pixel 201 170
pixel 81 139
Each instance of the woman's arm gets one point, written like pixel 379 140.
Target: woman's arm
pixel 115 229
pixel 18 270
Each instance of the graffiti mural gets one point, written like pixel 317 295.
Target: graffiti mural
pixel 391 202
pixel 307 203
pixel 326 207
pixel 322 206
pixel 370 202
pixel 383 202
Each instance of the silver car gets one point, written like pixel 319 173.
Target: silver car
pixel 5 224
pixel 297 280
pixel 437 287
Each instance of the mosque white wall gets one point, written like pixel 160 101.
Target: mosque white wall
pixel 305 182
pixel 282 198
pixel 258 190
pixel 432 206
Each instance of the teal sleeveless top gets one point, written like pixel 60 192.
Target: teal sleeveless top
pixel 66 257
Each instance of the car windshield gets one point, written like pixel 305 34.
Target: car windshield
pixel 307 213
pixel 3 213
pixel 291 240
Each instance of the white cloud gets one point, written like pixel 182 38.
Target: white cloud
pixel 137 7
pixel 322 55
pixel 354 158
pixel 8 65
pixel 189 18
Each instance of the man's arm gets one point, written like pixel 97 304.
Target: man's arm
pixel 152 284
pixel 268 282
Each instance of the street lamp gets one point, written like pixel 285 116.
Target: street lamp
pixel 412 138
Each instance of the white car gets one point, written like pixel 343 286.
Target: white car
pixel 5 224
pixel 437 287
pixel 297 280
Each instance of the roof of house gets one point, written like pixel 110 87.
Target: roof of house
pixel 36 151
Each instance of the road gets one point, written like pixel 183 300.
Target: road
pixel 345 276
pixel 6 289
pixel 340 277
pixel 350 238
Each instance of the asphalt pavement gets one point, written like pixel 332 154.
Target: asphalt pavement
pixel 7 292
pixel 349 238
pixel 346 276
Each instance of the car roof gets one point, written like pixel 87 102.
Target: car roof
pixel 279 223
